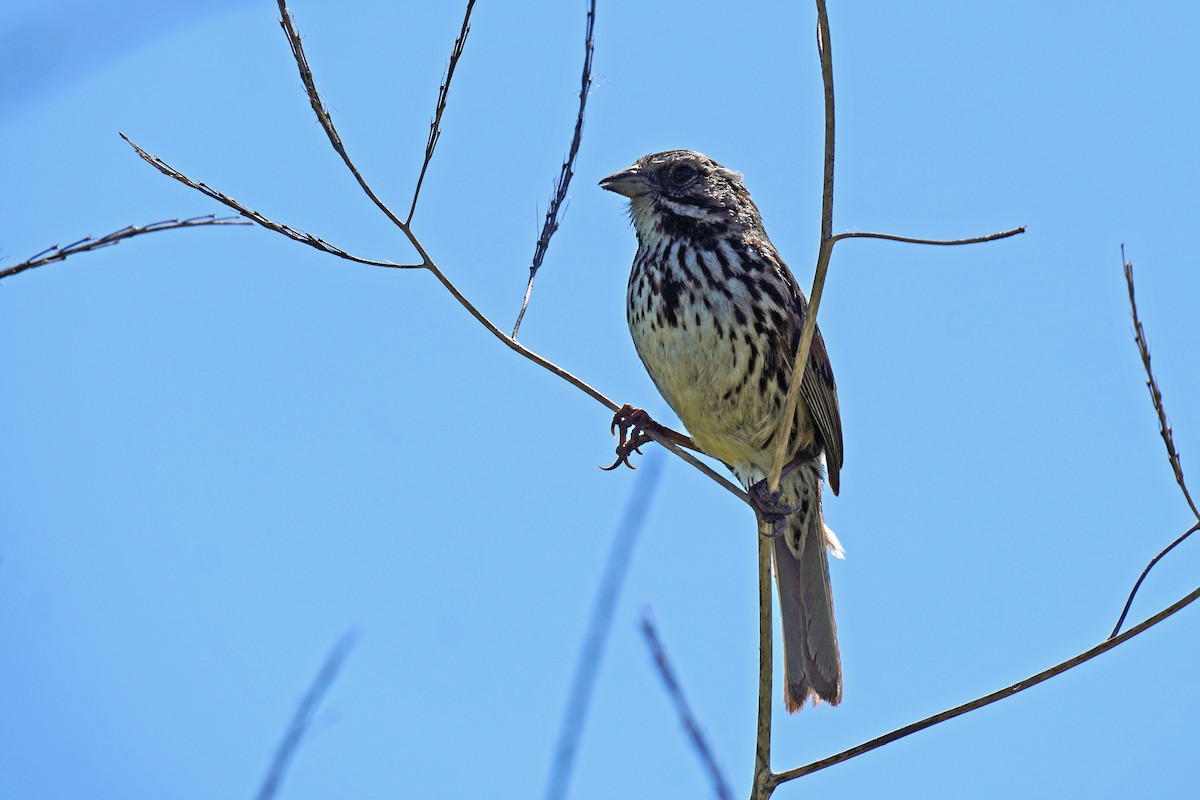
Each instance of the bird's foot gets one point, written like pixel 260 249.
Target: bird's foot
pixel 632 424
pixel 770 509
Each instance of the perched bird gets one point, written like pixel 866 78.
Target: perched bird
pixel 716 316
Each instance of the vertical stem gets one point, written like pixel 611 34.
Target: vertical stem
pixel 823 50
pixel 827 241
pixel 763 783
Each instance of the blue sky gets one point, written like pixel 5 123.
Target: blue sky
pixel 219 449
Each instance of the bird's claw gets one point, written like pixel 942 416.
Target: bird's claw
pixel 632 424
pixel 769 508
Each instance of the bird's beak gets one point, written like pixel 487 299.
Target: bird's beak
pixel 629 182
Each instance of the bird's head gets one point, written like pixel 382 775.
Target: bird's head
pixel 682 188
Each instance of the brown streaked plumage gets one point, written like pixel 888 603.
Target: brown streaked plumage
pixel 715 316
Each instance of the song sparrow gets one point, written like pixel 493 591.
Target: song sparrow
pixel 716 316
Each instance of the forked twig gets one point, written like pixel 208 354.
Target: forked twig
pixel 293 737
pixel 426 262
pixel 58 253
pixel 683 709
pixel 568 167
pixel 828 240
pixel 1164 430
pixel 615 569
pixel 988 699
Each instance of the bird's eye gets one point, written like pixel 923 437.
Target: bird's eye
pixel 682 175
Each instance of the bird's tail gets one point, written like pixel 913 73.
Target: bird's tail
pixel 812 663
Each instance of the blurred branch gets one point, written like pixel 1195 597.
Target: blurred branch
pixel 1164 427
pixel 435 126
pixel 60 253
pixel 615 569
pixel 1008 691
pixel 303 717
pixel 568 167
pixel 687 718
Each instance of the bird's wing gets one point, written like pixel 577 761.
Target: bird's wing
pixel 818 387
pixel 820 392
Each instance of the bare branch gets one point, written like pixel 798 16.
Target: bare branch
pixel 991 237
pixel 318 107
pixel 615 569
pixel 1146 571
pixel 828 240
pixel 1164 427
pixel 687 717
pixel 57 253
pixel 302 719
pixel 988 699
pixel 427 263
pixel 435 127
pixel 286 230
pixel 568 167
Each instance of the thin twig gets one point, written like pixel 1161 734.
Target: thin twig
pixel 991 237
pixel 814 297
pixel 1145 572
pixel 762 786
pixel 615 569
pixel 988 699
pixel 58 253
pixel 322 113
pixel 435 127
pixel 687 717
pixel 286 230
pixel 302 719
pixel 1164 427
pixel 568 167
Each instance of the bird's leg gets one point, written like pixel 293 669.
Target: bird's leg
pixel 633 424
pixel 769 507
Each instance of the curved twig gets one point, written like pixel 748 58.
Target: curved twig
pixel 58 253
pixel 991 237
pixel 988 699
pixel 568 168
pixel 1145 572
